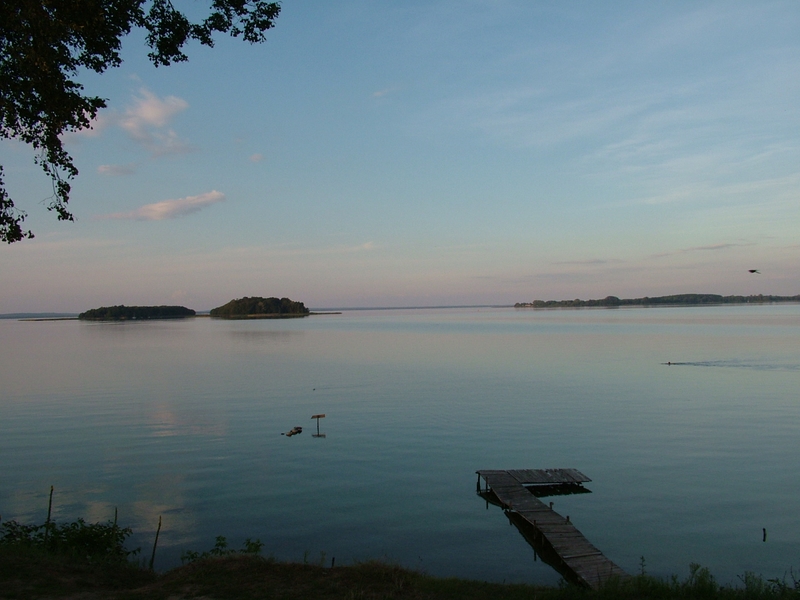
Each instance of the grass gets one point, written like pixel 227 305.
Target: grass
pixel 89 562
pixel 246 577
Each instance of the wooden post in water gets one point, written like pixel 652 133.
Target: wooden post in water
pixel 318 417
pixel 49 511
pixel 155 543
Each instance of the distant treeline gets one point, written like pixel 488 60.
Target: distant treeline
pixel 676 300
pixel 263 308
pixel 122 313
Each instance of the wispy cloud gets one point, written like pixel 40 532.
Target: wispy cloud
pixel 384 92
pixel 171 209
pixel 117 170
pixel 588 263
pixel 150 110
pixel 286 251
pixel 146 122
pixel 366 246
pixel 97 125
pixel 256 157
pixel 710 248
pixel 714 247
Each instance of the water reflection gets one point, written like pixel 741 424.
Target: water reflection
pixel 182 420
pixel 167 423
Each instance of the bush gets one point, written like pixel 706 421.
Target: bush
pixel 97 542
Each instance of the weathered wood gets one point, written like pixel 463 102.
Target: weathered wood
pixel 576 556
pixel 547 476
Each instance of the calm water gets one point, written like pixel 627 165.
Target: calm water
pixel 183 419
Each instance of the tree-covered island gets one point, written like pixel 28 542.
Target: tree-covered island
pixel 260 308
pixel 124 313
pixel 675 300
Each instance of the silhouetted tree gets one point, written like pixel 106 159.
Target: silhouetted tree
pixel 45 43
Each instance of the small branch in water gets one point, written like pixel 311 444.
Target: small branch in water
pixel 155 543
pixel 49 512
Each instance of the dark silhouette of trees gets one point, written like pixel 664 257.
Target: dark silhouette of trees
pixel 674 300
pixel 244 308
pixel 44 44
pixel 124 313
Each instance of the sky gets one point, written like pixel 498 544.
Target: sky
pixel 437 152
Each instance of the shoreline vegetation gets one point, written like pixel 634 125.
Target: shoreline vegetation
pixel 284 308
pixel 674 300
pixel 242 308
pixel 260 308
pixel 90 561
pixel 124 313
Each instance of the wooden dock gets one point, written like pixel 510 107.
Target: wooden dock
pixel 558 541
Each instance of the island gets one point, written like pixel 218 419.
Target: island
pixel 124 313
pixel 675 300
pixel 260 308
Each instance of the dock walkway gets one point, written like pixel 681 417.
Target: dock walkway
pixel 577 556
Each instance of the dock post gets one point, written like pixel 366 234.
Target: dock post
pixel 318 417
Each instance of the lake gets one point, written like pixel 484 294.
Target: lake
pixel 183 419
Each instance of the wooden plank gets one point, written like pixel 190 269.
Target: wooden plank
pixel 547 476
pixel 529 476
pixel 572 557
pixel 521 504
pixel 499 480
pixel 577 476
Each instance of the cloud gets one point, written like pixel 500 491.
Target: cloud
pixel 171 209
pixel 117 170
pixel 147 120
pixel 712 247
pixel 96 126
pixel 590 262
pixel 256 157
pixel 100 122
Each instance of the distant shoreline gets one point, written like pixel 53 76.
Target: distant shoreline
pixel 607 302
pixel 44 318
pixel 33 317
pixel 674 300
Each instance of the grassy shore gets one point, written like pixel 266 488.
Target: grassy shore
pixel 33 574
pixel 90 561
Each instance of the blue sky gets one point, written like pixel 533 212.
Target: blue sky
pixel 438 152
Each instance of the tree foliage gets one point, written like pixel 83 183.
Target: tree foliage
pixel 255 307
pixel 123 313
pixel 91 542
pixel 674 300
pixel 44 44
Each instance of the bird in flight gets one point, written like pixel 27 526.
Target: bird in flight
pixel 754 271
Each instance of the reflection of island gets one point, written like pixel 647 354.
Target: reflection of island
pixel 675 300
pixel 260 308
pixel 124 313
